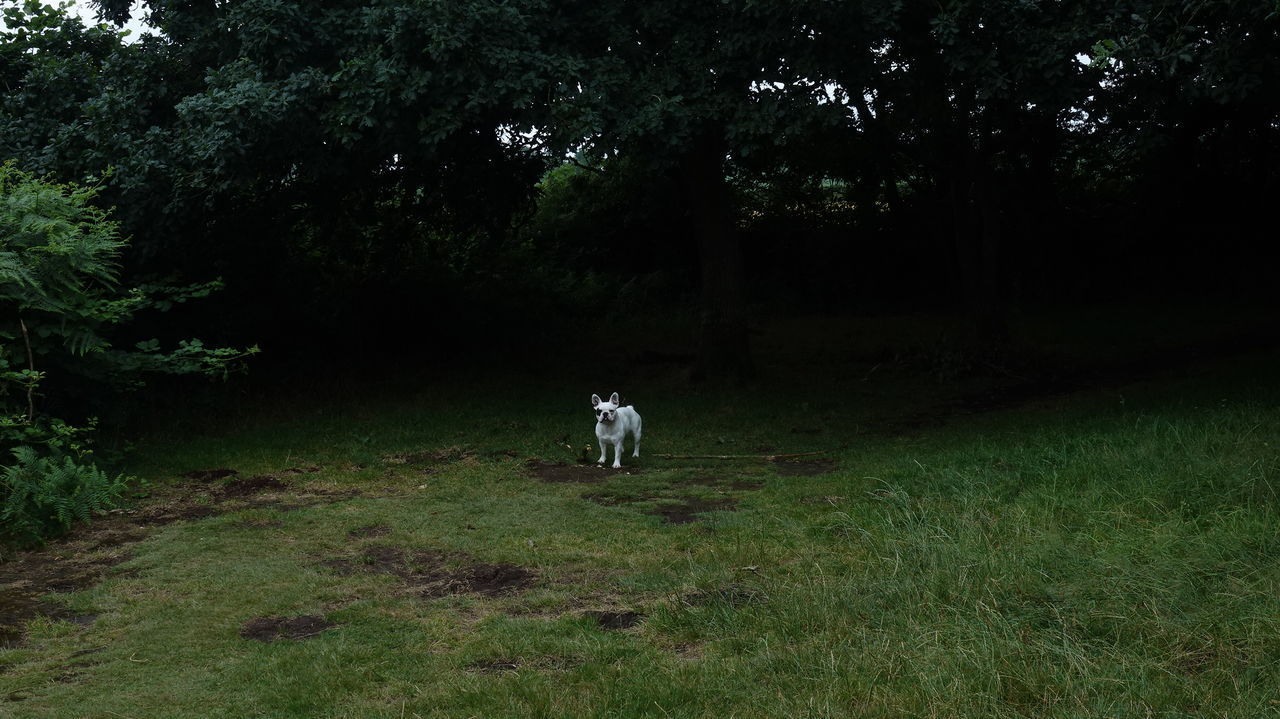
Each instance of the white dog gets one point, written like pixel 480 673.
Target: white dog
pixel 612 425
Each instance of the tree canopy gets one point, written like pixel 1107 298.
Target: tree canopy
pixel 344 156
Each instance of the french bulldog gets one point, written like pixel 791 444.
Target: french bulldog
pixel 612 425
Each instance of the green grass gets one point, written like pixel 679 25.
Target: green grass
pixel 1105 554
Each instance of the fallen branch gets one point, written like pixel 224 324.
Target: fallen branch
pixel 769 457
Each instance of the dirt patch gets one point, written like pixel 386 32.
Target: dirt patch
pixel 89 551
pixel 269 629
pixel 116 538
pixel 560 473
pixel 677 509
pixel 811 468
pixel 159 516
pixel 422 566
pixel 209 475
pixel 691 509
pixel 614 621
pixel 253 485
pixel 25 581
pixel 372 530
pixel 433 573
pixel 493 580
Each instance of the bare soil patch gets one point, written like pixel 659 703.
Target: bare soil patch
pixel 675 509
pixel 269 629
pixel 810 468
pixel 560 473
pixel 88 553
pixel 26 580
pixel 493 580
pixel 433 573
pixel 209 475
pixel 253 485
pixel 690 509
pixel 162 515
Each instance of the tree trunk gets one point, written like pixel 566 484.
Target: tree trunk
pixel 724 347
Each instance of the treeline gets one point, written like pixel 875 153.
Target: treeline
pixel 350 169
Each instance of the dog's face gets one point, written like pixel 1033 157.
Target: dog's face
pixel 606 412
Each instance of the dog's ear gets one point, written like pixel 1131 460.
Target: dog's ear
pixel 614 398
pixel 595 400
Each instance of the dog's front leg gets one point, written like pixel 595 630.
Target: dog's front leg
pixel 602 451
pixel 617 454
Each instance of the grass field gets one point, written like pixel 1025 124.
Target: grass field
pixel 958 548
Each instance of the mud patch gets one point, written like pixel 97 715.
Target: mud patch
pixel 433 573
pixel 691 509
pixel 614 621
pixel 113 538
pixel 25 581
pixel 159 516
pixel 209 475
pixel 82 557
pixel 269 629
pixel 811 468
pixel 493 580
pixel 573 473
pixel 253 485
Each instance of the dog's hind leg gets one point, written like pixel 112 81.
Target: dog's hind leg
pixel 636 436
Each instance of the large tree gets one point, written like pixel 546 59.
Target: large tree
pixel 258 133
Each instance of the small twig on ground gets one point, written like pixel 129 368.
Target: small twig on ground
pixel 769 457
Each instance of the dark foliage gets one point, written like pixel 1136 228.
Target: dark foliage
pixel 356 169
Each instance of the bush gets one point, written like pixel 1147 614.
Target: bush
pixel 59 301
pixel 44 496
